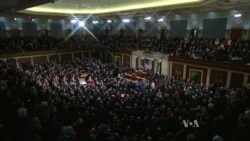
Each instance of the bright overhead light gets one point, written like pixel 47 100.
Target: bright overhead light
pixel 81 23
pixel 95 22
pixel 109 21
pixel 160 20
pixel 126 20
pixel 147 18
pixel 237 15
pixel 73 21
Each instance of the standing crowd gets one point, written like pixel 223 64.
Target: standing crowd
pixel 204 49
pixel 48 102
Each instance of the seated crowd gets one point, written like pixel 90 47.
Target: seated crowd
pixel 205 49
pixel 47 102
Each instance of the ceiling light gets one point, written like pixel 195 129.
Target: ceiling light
pixel 73 21
pixel 15 19
pixel 237 15
pixel 126 20
pixel 81 23
pixel 109 21
pixel 147 18
pixel 95 22
pixel 160 20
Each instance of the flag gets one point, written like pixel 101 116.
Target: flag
pixel 148 64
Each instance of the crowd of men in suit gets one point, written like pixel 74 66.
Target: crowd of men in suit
pixel 47 102
pixel 205 49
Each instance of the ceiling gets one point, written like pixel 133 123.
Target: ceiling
pixel 62 7
pixel 135 7
pixel 111 8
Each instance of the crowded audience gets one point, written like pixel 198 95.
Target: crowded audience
pixel 56 102
pixel 205 49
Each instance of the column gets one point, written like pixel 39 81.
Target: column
pixel 138 62
pixel 208 76
pixel 32 60
pixel 131 59
pixel 60 58
pixel 184 71
pixel 165 66
pixel 170 69
pixel 228 79
pixel 17 63
pixel 245 79
pixel 47 58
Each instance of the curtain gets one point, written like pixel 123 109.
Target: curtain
pixel 178 28
pixel 56 29
pixel 151 29
pixel 130 28
pixel 214 28
pixel 29 29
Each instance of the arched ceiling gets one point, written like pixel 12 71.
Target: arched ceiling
pixel 60 7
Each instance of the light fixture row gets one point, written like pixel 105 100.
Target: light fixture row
pixel 74 21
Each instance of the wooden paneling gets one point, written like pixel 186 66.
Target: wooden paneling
pixel 177 69
pixel 93 54
pixel 54 58
pixel 77 55
pixel 98 54
pixel 14 33
pixel 117 59
pixel 109 58
pixel 86 54
pixel 236 33
pixel 212 64
pixel 236 80
pixel 103 57
pixel 40 59
pixel 65 57
pixel 218 77
pixel 126 60
pixel 26 60
pixel 11 63
pixel 194 72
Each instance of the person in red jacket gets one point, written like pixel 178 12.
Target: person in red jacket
pixel 177 95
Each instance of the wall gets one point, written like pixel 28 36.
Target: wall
pixel 23 59
pixel 218 73
pixel 206 72
pixel 194 21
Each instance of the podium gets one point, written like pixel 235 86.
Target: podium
pixel 136 76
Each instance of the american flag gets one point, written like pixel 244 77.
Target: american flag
pixel 148 64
